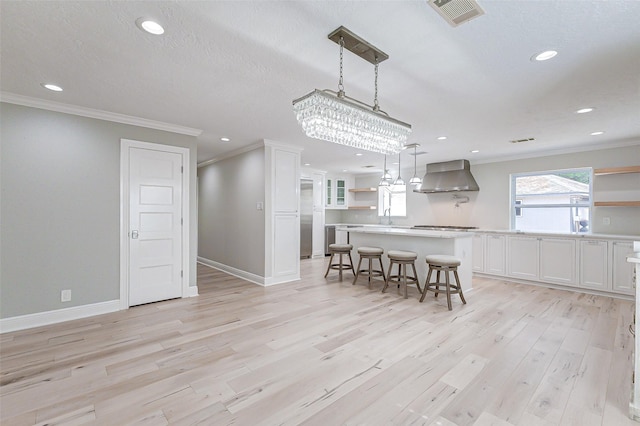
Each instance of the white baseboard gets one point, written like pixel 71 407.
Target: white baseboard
pixel 23 322
pixel 192 292
pixel 248 276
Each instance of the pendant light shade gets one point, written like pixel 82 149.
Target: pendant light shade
pixel 415 180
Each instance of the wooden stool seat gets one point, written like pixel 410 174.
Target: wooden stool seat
pixel 370 253
pixel 446 264
pixel 402 259
pixel 340 250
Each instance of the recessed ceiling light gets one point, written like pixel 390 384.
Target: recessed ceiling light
pixel 344 170
pixel 584 110
pixel 225 139
pixel 475 151
pixel 597 133
pixel 307 164
pixel 543 56
pixel 152 27
pixel 359 154
pixel 51 87
pixel 441 138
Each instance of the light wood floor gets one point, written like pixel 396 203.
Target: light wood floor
pixel 323 352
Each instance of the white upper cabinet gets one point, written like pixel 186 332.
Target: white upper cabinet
pixel 337 192
pixel 286 181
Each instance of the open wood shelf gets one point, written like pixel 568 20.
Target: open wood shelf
pixel 617 204
pixel 363 190
pixel 362 207
pixel 616 170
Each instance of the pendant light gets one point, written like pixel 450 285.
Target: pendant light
pixel 415 180
pixel 399 180
pixel 385 180
pixel 334 117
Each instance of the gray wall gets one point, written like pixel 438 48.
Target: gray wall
pixel 489 208
pixel 60 207
pixel 231 230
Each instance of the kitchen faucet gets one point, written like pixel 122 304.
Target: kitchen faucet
pixel 387 210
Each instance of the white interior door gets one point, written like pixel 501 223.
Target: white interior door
pixel 155 225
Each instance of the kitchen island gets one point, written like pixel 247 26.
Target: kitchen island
pixel 422 242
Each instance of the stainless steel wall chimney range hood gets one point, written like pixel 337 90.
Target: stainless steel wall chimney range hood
pixel 449 176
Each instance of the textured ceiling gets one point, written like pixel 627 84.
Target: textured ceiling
pixel 232 68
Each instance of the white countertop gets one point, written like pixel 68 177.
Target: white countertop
pixel 404 231
pixel 351 226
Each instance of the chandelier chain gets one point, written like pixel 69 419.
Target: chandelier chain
pixel 341 81
pixel 376 107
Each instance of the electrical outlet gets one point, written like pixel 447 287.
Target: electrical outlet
pixel 65 296
pixel 606 221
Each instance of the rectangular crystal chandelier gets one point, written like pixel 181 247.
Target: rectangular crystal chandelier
pixel 334 117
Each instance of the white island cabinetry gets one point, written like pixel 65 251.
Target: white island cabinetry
pixel 479 240
pixel 422 242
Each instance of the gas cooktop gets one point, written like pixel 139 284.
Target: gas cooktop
pixel 444 227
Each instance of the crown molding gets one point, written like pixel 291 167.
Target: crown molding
pixel 233 153
pixel 13 98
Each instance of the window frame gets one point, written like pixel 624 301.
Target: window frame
pixel 381 196
pixel 515 202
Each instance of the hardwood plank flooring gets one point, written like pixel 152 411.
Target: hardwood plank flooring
pixel 323 352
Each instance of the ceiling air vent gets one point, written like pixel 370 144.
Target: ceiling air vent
pixel 457 12
pixel 522 140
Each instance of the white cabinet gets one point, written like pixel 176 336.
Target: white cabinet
pixel 523 255
pixel 622 271
pixel 282 203
pixel 594 256
pixel 495 255
pixel 342 237
pixel 558 261
pixel 478 252
pixel 336 196
pixel 542 259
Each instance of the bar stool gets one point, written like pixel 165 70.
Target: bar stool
pixel 370 253
pixel 402 259
pixel 340 249
pixel 445 264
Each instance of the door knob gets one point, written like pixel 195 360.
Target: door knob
pixel 134 235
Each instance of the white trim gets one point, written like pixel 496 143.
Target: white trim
pixel 193 291
pixel 285 146
pixel 13 98
pixel 247 276
pixel 125 145
pixel 39 319
pixel 555 152
pixel 232 154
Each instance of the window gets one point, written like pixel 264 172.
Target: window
pixel 392 200
pixel 552 201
